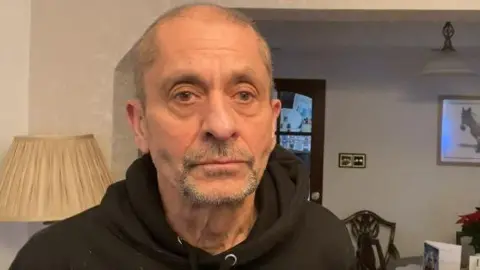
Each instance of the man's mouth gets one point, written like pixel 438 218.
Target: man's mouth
pixel 220 162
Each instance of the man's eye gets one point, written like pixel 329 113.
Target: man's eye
pixel 184 97
pixel 244 96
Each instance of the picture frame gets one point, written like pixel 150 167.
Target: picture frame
pixel 458 141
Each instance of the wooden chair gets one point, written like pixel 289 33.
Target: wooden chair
pixel 364 229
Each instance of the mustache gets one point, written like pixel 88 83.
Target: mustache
pixel 215 151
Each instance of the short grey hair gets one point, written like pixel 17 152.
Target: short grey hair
pixel 145 51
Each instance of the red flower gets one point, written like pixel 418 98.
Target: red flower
pixel 469 218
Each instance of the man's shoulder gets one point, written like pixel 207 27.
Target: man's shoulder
pixel 329 232
pixel 75 227
pixel 51 246
pixel 59 243
pixel 68 228
pixel 318 215
pixel 321 223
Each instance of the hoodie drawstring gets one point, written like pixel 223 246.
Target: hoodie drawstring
pixel 192 256
pixel 192 259
pixel 229 260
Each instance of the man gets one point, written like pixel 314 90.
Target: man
pixel 212 191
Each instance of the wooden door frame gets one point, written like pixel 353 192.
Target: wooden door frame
pixel 316 89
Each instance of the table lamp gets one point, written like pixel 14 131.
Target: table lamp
pixel 50 178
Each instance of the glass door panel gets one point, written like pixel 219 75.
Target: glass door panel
pixel 300 145
pixel 295 124
pixel 296 113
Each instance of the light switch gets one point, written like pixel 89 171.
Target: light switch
pixel 352 160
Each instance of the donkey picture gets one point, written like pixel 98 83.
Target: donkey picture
pixel 468 120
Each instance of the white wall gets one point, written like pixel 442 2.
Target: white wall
pixel 14 59
pixel 75 49
pixel 377 105
pixel 14 70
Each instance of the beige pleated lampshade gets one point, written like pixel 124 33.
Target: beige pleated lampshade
pixel 50 178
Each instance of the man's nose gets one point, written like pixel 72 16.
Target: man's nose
pixel 219 121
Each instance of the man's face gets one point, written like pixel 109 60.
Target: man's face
pixel 208 120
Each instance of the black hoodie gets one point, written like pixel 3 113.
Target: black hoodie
pixel 128 230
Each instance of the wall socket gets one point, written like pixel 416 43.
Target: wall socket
pixel 352 160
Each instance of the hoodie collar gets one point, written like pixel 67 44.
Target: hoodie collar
pixel 280 200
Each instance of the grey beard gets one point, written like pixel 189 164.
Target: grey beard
pixel 190 191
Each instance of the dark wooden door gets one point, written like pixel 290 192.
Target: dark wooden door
pixel 301 125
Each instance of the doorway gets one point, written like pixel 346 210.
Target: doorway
pixel 301 126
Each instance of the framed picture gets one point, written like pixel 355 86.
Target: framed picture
pixel 459 130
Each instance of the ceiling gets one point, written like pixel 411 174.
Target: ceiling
pixel 311 35
pixel 305 30
pixel 363 15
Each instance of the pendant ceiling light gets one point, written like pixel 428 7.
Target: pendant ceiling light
pixel 447 60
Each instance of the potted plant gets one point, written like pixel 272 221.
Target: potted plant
pixel 471 227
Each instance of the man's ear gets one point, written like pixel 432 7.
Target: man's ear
pixel 276 108
pixel 137 121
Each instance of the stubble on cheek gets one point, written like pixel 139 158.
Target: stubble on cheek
pixel 262 162
pixel 167 169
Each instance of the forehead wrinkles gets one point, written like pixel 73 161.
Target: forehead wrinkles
pixel 147 51
pixel 186 33
pixel 216 42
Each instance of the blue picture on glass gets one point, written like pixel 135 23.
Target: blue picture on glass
pixel 296 113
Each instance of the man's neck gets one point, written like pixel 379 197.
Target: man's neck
pixel 212 228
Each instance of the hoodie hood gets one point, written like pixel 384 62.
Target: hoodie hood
pixel 281 199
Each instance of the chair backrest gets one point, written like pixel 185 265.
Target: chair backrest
pixel 364 227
